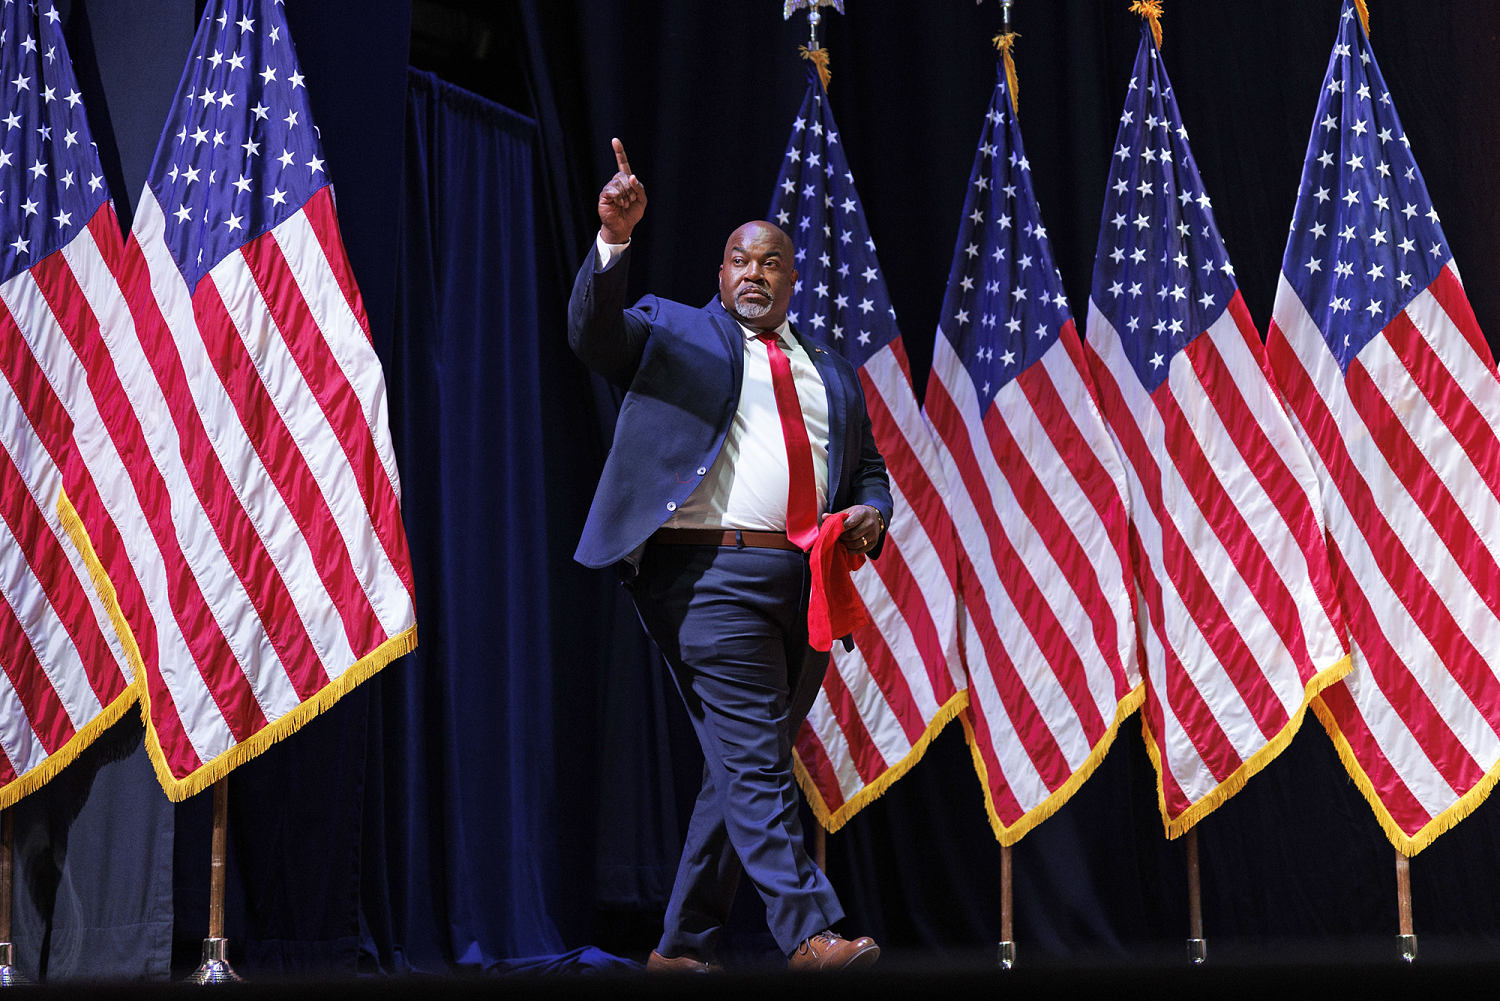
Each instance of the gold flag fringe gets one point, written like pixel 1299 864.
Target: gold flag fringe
pixel 1031 818
pixel 1004 41
pixel 1179 825
pixel 832 820
pixel 1406 844
pixel 30 782
pixel 178 789
pixel 105 587
pixel 819 58
pixel 1364 15
pixel 1151 11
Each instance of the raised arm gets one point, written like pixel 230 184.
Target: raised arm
pixel 606 337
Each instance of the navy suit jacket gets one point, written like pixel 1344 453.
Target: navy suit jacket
pixel 681 367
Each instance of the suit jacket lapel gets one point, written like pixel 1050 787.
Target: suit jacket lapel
pixel 734 344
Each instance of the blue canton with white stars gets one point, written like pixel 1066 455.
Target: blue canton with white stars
pixel 1161 274
pixel 239 153
pixel 1005 305
pixel 840 298
pixel 1365 238
pixel 51 183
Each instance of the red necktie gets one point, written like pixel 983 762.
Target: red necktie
pixel 801 491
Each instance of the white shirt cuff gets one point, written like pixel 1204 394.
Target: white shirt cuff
pixel 607 253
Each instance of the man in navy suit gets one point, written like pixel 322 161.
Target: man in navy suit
pixel 693 506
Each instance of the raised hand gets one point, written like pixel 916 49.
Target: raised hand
pixel 622 202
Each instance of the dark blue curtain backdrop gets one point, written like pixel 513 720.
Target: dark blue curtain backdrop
pixel 468 732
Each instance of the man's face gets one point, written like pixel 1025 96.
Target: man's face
pixel 757 277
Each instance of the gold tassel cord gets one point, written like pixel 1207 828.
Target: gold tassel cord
pixel 1364 15
pixel 1004 42
pixel 1151 11
pixel 819 58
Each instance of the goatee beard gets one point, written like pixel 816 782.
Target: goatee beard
pixel 752 310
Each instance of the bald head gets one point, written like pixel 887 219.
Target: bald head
pixel 756 277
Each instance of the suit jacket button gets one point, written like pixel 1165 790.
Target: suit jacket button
pixel 671 505
pixel 702 470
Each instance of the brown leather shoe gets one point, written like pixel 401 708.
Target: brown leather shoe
pixel 657 963
pixel 828 950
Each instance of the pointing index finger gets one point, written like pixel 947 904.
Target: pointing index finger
pixel 620 159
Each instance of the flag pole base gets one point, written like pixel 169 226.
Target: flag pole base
pixel 1408 947
pixel 1197 951
pixel 1005 956
pixel 215 967
pixel 9 975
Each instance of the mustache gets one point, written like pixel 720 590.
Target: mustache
pixel 750 284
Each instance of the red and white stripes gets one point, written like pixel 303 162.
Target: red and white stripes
pixel 246 446
pixel 1037 494
pixel 1404 444
pixel 65 673
pixel 1242 625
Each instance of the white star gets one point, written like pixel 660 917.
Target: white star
pixel 286 158
pixel 315 165
pixel 278 197
pixel 268 74
pixel 22 246
pixel 183 213
pixel 962 316
pixel 1313 264
pixel 245 24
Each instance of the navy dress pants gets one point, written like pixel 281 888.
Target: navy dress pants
pixel 732 625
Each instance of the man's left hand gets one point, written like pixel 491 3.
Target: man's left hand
pixel 862 528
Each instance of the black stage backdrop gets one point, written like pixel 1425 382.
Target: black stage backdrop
pixel 516 786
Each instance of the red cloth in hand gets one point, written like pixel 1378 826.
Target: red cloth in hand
pixel 835 608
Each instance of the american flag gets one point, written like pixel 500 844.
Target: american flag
pixel 1241 624
pixel 64 661
pixel 1037 492
pixel 1393 390
pixel 248 408
pixel 882 702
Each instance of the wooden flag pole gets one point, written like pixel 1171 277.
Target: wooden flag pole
pixel 1007 952
pixel 1197 944
pixel 215 969
pixel 9 977
pixel 1407 939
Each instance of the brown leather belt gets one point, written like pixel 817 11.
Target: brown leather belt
pixel 735 538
